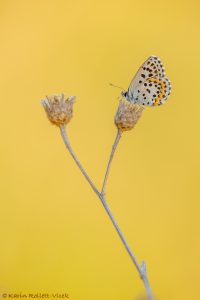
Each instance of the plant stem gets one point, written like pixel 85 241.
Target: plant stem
pixel 67 144
pixel 118 136
pixel 141 269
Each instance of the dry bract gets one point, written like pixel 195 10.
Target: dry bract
pixel 59 110
pixel 127 115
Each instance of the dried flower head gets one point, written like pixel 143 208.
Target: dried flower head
pixel 127 115
pixel 59 110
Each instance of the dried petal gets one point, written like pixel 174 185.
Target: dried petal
pixel 127 115
pixel 59 110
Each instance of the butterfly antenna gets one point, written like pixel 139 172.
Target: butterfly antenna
pixel 119 87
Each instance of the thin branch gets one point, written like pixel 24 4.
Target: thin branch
pixel 118 136
pixel 67 144
pixel 141 269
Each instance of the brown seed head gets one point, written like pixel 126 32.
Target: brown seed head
pixel 127 115
pixel 59 110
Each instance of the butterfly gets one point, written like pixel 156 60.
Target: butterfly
pixel 150 86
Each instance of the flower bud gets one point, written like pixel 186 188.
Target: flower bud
pixel 59 110
pixel 127 115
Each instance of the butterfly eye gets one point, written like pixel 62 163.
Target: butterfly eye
pixel 124 94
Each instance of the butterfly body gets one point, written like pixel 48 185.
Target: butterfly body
pixel 149 86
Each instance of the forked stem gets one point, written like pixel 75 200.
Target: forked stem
pixel 141 269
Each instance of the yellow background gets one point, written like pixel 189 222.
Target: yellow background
pixel 54 233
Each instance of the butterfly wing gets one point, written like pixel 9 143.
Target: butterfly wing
pixel 149 86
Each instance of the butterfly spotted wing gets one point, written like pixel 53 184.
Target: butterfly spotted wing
pixel 149 86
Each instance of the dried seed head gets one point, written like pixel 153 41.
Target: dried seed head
pixel 59 110
pixel 127 115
